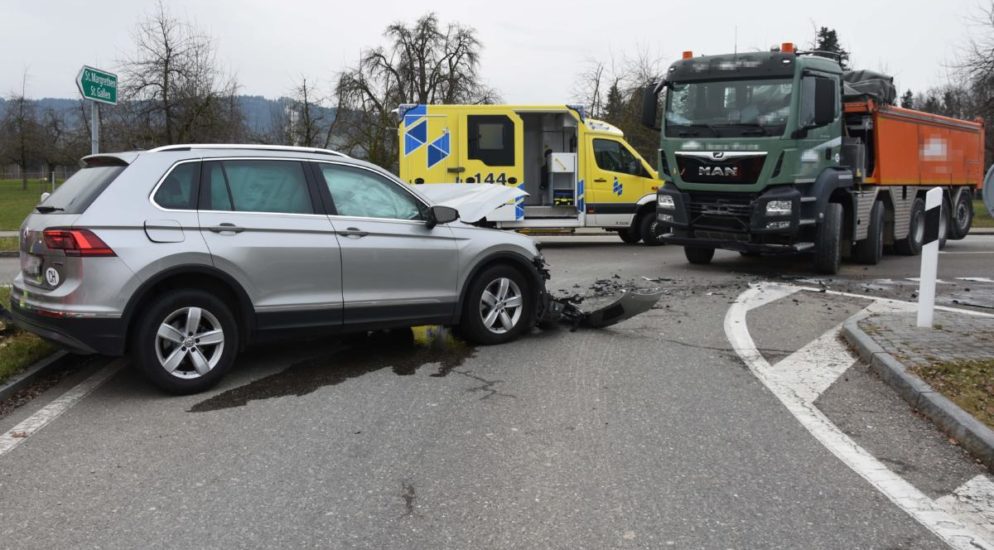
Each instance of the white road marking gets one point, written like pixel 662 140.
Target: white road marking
pixel 798 397
pixel 30 425
pixel 975 279
pixel 973 502
pixel 972 252
pixel 811 370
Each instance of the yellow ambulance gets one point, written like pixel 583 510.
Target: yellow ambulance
pixel 578 172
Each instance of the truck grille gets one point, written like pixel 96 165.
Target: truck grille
pixel 738 169
pixel 720 211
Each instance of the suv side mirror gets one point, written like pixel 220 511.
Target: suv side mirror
pixel 825 89
pixel 439 214
pixel 650 105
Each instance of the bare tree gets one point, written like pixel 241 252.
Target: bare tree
pixel 589 87
pixel 20 135
pixel 613 91
pixel 423 63
pixel 174 90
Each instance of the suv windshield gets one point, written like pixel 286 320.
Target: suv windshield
pixel 80 190
pixel 728 109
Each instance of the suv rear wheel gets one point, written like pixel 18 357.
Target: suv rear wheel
pixel 499 306
pixel 185 341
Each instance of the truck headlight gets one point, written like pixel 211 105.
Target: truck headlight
pixel 778 208
pixel 665 202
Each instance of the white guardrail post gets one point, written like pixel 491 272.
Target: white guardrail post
pixel 930 258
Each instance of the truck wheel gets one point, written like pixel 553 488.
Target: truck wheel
pixel 698 254
pixel 870 250
pixel 185 341
pixel 629 236
pixel 962 216
pixel 499 306
pixel 911 245
pixel 651 229
pixel 828 241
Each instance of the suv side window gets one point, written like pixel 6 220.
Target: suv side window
pixel 179 190
pixel 361 193
pixel 612 156
pixel 258 186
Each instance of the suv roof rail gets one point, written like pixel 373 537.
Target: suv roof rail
pixel 248 146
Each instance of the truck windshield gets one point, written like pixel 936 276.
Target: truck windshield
pixel 728 109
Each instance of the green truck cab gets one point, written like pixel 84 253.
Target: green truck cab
pixel 775 153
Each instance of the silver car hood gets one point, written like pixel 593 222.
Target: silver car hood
pixel 473 201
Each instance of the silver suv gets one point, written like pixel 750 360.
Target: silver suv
pixel 184 255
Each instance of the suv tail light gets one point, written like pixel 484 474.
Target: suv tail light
pixel 77 242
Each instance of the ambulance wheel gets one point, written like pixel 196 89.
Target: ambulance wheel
pixel 962 216
pixel 651 229
pixel 629 236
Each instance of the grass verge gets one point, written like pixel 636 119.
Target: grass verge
pixel 969 384
pixel 8 244
pixel 981 217
pixel 18 349
pixel 18 203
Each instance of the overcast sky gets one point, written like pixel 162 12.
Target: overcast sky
pixel 533 50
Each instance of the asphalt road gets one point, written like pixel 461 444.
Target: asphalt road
pixel 649 434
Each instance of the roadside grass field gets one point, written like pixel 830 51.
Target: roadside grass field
pixel 981 218
pixel 8 244
pixel 969 384
pixel 15 204
pixel 18 349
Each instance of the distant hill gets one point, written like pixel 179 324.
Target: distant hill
pixel 259 111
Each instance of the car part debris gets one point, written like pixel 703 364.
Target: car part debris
pixel 629 303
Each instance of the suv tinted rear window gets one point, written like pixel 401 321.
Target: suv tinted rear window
pixel 79 191
pixel 179 190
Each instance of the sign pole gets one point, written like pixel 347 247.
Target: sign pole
pixel 98 86
pixel 94 127
pixel 930 258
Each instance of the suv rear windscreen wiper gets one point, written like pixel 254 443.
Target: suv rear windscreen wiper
pixel 49 209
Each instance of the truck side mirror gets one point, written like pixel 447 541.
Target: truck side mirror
pixel 650 106
pixel 825 89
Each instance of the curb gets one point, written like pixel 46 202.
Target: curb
pixel 29 375
pixel 968 431
pixel 9 254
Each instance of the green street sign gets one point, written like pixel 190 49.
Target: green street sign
pixel 97 85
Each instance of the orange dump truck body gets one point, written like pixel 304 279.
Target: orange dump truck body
pixel 916 148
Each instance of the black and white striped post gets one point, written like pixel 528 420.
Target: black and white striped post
pixel 930 258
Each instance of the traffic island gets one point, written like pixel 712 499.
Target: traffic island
pixel 945 373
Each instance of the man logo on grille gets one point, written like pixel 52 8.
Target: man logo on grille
pixel 727 171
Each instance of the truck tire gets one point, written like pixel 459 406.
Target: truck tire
pixel 629 236
pixel 911 245
pixel 828 241
pixel 185 341
pixel 962 216
pixel 698 255
pixel 945 225
pixel 651 229
pixel 870 250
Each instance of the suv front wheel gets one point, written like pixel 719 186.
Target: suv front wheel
pixel 499 306
pixel 185 341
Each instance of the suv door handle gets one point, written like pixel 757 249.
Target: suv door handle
pixel 600 180
pixel 226 228
pixel 353 232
